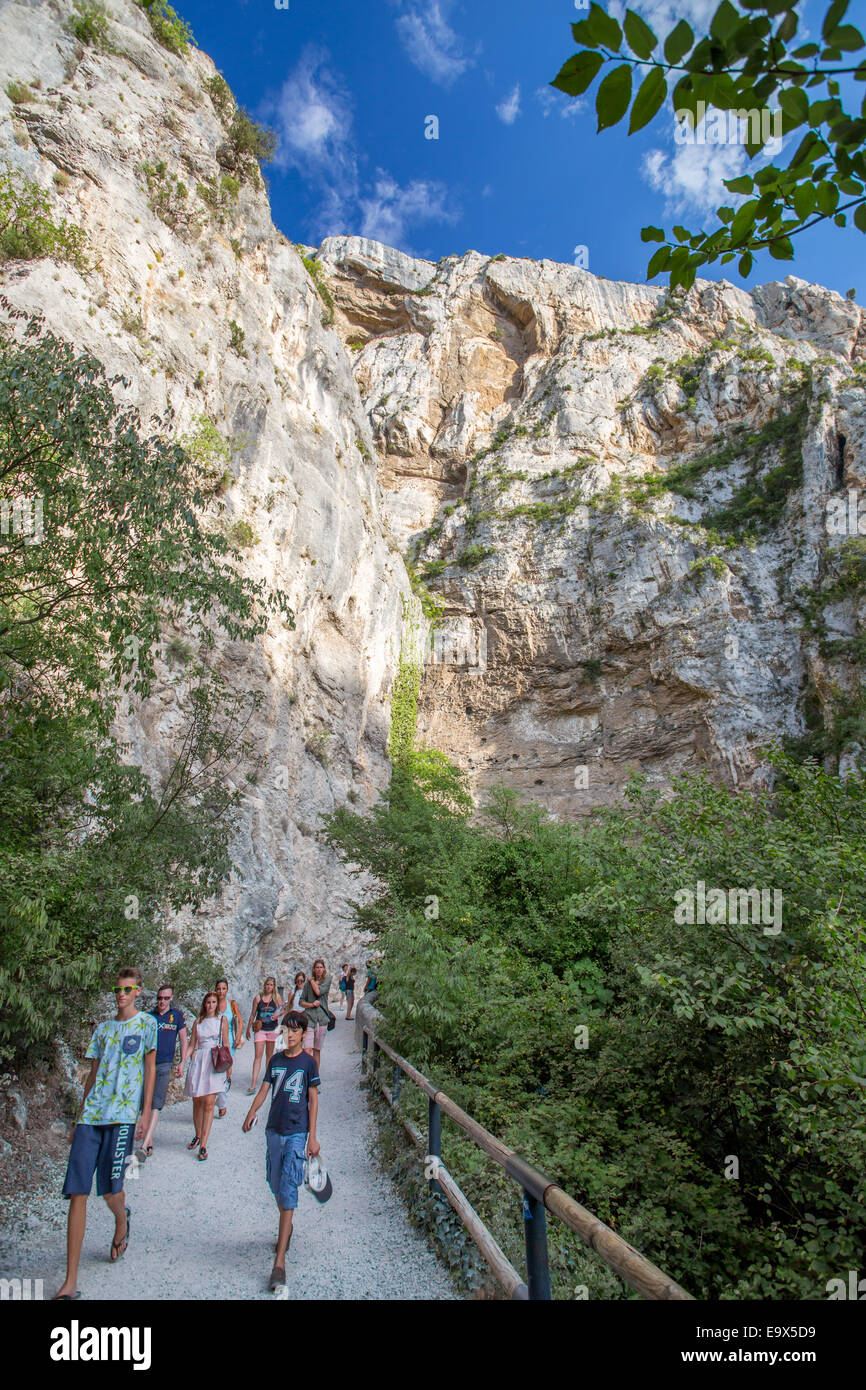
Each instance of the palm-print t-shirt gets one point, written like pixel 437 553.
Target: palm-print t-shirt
pixel 115 1097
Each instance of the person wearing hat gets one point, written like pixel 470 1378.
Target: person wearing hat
pixel 293 1079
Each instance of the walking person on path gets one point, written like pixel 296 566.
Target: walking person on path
pixel 350 992
pixel 228 1009
pixel 202 1082
pixel 315 994
pixel 264 1020
pixel 295 999
pixel 170 1025
pixel 291 1129
pixel 122 1056
pixel 341 986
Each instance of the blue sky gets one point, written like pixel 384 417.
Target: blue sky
pixel 516 167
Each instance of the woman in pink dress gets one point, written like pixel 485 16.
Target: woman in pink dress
pixel 202 1082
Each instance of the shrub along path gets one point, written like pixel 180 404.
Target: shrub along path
pixel 206 1230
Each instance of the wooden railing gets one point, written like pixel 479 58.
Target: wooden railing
pixel 540 1193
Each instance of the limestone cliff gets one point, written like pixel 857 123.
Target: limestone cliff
pixel 618 502
pixel 550 442
pixel 207 309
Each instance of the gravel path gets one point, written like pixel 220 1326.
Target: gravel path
pixel 206 1230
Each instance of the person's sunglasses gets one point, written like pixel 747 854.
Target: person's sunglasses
pixel 124 989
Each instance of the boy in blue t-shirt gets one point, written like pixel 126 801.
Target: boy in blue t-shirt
pixel 291 1128
pixel 120 1085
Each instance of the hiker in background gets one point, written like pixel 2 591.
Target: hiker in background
pixel 265 1016
pixel 202 1082
pixel 228 1009
pixel 170 1025
pixel 295 1000
pixel 371 982
pixel 342 985
pixel 291 1129
pixel 314 999
pixel 350 992
pixel 122 1056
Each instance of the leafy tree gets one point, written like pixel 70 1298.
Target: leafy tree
pixel 503 935
pixel 95 856
pixel 748 58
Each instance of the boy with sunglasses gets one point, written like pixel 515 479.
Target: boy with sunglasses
pixel 122 1055
pixel 291 1129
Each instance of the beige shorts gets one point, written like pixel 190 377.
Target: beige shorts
pixel 314 1037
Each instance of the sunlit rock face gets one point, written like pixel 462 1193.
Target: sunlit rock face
pixel 159 306
pixel 525 416
pixel 509 424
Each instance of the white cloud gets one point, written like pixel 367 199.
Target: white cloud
pixel 430 42
pixel 389 211
pixel 509 108
pixel 550 99
pixel 312 114
pixel 691 178
pixel 663 15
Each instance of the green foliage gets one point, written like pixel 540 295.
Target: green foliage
pixel 220 94
pixel 236 340
pixel 209 451
pixel 242 535
pixel 746 60
pixel 90 23
pixel 316 274
pixel 95 857
pixel 429 607
pixel 28 231
pixel 220 195
pixel 703 1041
pixel 167 26
pixel 19 93
pixel 252 144
pixel 757 505
pixel 168 197
pixel 473 555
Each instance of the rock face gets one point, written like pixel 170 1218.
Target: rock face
pixel 109 135
pixel 536 426
pixel 614 499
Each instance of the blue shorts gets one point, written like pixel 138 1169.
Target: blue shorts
pixel 100 1149
pixel 160 1085
pixel 285 1166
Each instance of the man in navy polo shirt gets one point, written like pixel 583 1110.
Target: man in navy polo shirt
pixel 170 1024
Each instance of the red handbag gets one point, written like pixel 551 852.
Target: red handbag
pixel 221 1057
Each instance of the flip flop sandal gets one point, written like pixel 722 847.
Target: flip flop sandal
pixel 202 1155
pixel 278 1278
pixel 194 1143
pixel 65 1297
pixel 149 1150
pixel 116 1252
pixel 221 1113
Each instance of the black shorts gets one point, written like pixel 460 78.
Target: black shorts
pixel 100 1149
pixel 160 1085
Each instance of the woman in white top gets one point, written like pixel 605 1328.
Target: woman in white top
pixel 202 1082
pixel 296 1006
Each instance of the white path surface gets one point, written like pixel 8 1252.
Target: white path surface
pixel 206 1230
